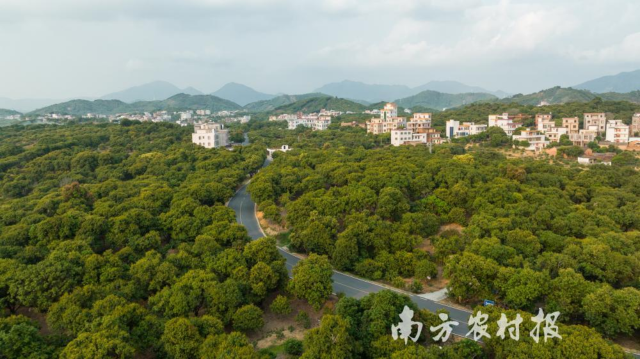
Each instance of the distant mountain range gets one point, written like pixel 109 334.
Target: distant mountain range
pixel 375 93
pixel 110 107
pixel 241 94
pixel 153 91
pixel 622 82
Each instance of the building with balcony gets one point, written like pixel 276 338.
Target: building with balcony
pixel 617 132
pixel 553 135
pixel 537 140
pixel 595 119
pixel 455 129
pixel 504 122
pixel 387 122
pixel 210 135
pixel 572 124
pixel 584 136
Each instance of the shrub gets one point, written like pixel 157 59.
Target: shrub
pixel 293 347
pixel 302 318
pixel 281 305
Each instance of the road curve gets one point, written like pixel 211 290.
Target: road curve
pixel 350 285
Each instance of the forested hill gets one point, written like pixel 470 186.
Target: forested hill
pixel 560 95
pixel 316 104
pixel 282 100
pixel 438 100
pixel 110 107
pixel 5 112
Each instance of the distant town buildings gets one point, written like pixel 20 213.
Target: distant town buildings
pixel 210 135
pixel 315 121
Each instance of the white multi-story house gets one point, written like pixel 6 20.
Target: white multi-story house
pixel 455 129
pixel 504 122
pixel 536 139
pixel 553 134
pixel 210 135
pixel 313 121
pixel 617 132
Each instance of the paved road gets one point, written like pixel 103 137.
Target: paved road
pixel 351 286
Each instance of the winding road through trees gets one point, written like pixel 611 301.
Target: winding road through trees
pixel 350 285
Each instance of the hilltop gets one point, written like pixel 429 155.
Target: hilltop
pixel 5 112
pixel 153 91
pixel 241 94
pixel 438 100
pixel 622 82
pixel 316 104
pixel 111 107
pixel 282 100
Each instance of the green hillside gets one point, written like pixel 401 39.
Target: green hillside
pixel 316 104
pixel 633 96
pixel 186 102
pixel 282 100
pixel 559 95
pixel 110 107
pixel 438 100
pixel 555 95
pixel 5 112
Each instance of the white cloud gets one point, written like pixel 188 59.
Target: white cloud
pixel 294 45
pixel 134 65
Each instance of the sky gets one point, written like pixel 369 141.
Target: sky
pixel 88 48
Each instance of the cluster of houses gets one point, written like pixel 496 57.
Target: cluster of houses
pixel 415 131
pixel 418 130
pixel 596 126
pixel 316 121
pixel 13 117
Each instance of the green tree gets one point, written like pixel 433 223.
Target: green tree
pixel 330 340
pixel 312 280
pixel 248 317
pixel 281 305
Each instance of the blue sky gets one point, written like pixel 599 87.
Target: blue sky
pixel 73 48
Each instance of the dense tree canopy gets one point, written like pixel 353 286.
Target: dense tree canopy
pixel 119 236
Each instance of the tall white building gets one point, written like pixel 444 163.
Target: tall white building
pixel 210 135
pixel 455 129
pixel 617 132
